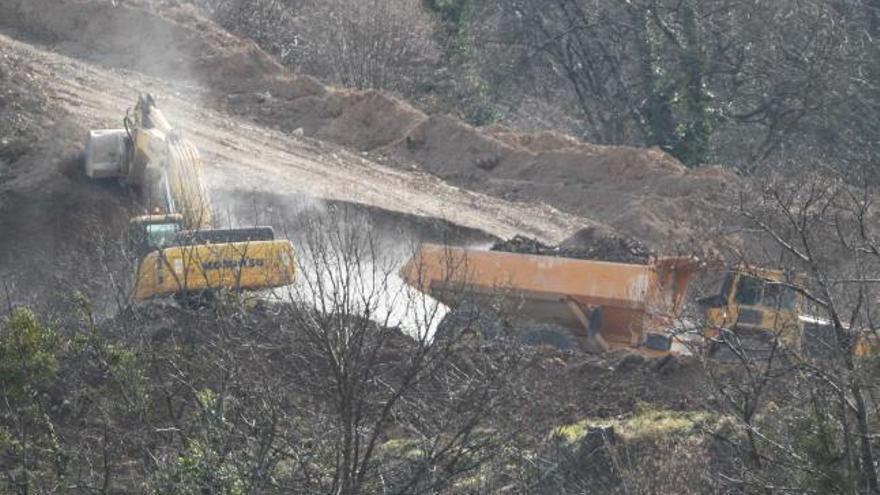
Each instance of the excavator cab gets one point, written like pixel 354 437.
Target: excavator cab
pixel 149 233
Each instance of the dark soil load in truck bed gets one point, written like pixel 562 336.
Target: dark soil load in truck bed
pixel 586 244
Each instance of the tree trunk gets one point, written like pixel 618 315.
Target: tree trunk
pixel 868 469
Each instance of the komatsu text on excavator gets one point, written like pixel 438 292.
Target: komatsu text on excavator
pixel 179 253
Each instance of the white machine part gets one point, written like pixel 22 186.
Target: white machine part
pixel 105 153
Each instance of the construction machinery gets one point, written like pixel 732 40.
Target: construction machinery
pixel 609 306
pixel 757 306
pixel 760 308
pixel 604 305
pixel 178 251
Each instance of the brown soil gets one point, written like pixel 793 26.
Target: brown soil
pixel 241 108
pixel 173 42
pixel 644 193
pixel 49 211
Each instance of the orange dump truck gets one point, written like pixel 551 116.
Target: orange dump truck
pixel 604 305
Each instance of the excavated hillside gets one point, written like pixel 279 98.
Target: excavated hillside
pixel 275 142
pixel 66 67
pixel 546 185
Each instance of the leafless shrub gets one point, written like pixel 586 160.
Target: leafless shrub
pixel 806 420
pixel 367 349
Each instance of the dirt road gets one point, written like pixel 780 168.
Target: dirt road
pixel 242 156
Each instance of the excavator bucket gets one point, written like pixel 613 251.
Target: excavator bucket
pixel 605 305
pixel 105 153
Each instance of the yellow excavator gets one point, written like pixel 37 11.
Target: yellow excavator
pixel 179 253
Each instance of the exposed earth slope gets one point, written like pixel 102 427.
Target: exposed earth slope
pixel 271 138
pixel 245 112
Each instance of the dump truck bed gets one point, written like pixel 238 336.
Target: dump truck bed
pixel 631 298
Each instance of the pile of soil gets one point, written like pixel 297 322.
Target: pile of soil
pixel 587 244
pixel 644 193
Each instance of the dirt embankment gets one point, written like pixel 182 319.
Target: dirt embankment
pixel 50 212
pixel 644 193
pixel 544 185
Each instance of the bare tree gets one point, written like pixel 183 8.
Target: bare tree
pixel 361 44
pixel 808 418
pixel 383 374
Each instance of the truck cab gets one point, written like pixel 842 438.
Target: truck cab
pixel 756 304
